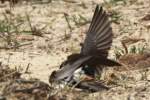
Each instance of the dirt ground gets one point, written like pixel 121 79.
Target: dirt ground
pixel 58 28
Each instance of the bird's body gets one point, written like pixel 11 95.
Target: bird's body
pixel 94 50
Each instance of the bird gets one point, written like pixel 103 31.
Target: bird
pixel 94 50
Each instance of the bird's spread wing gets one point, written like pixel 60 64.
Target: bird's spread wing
pixel 99 36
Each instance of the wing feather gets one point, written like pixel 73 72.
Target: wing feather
pixel 96 14
pixel 99 36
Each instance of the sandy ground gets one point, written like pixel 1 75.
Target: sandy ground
pixel 46 53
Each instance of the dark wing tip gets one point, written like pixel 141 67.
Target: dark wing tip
pixel 99 35
pixel 97 6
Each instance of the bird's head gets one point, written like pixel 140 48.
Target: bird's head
pixel 55 79
pixel 54 82
pixel 53 76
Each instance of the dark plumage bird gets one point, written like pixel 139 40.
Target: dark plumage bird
pixel 94 50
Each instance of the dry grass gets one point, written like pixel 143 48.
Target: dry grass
pixel 45 34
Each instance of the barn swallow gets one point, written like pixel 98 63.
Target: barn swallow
pixel 94 50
